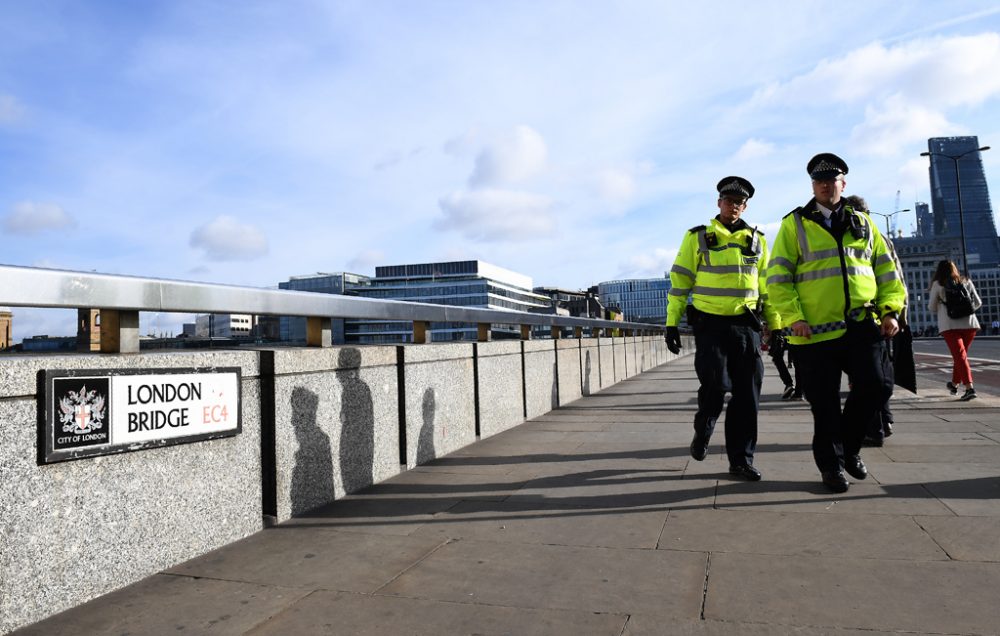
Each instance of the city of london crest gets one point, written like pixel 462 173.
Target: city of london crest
pixel 82 411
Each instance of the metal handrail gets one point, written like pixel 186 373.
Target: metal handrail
pixel 53 288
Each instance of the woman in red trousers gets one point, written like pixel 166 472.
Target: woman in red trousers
pixel 957 332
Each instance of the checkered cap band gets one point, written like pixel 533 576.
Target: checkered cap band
pixel 735 187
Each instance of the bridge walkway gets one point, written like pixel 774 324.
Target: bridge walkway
pixel 593 519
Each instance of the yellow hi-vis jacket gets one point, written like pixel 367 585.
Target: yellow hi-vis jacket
pixel 825 281
pixel 724 272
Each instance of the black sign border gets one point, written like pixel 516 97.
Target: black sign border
pixel 46 411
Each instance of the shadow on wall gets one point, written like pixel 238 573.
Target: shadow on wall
pixel 425 441
pixel 586 374
pixel 312 476
pixel 357 424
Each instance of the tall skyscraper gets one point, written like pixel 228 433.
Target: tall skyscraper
pixel 925 220
pixel 982 244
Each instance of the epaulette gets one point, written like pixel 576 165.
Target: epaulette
pixel 697 228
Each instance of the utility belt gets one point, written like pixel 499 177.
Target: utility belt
pixel 748 318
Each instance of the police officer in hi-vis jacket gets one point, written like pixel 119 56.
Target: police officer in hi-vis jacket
pixel 834 282
pixel 722 266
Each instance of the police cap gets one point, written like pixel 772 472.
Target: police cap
pixel 826 165
pixel 736 186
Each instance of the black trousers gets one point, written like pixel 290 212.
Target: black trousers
pixel 862 354
pixel 727 358
pixel 778 357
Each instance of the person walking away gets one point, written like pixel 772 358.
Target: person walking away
pixel 880 426
pixel 955 300
pixel 722 266
pixel 835 285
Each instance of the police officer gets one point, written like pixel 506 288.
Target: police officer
pixel 838 291
pixel 722 266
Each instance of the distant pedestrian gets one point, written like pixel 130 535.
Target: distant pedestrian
pixel 949 290
pixel 776 348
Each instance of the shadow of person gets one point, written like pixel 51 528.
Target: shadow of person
pixel 357 424
pixel 312 475
pixel 425 442
pixel 586 374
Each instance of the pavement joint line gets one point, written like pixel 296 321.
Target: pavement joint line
pixel 412 565
pixel 704 589
pixel 662 528
pixel 934 540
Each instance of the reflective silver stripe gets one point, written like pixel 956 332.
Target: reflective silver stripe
pixel 781 260
pixel 885 278
pixel 683 271
pixel 801 231
pixel 819 255
pixel 830 272
pixel 716 291
pixel 677 291
pixel 728 269
pixel 858 253
pixel 780 278
pixel 882 260
pixel 862 270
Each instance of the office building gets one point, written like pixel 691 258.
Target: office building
pixel 925 220
pixel 462 283
pixel 640 299
pixel 224 325
pixel 292 329
pixel 981 242
pixel 6 327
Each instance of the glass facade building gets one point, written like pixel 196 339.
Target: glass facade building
pixel 293 328
pixel 461 283
pixel 982 244
pixel 640 299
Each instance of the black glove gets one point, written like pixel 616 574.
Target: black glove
pixel 673 338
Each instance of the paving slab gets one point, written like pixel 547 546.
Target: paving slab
pixel 311 557
pixel 642 625
pixel 545 523
pixel 753 532
pixel 374 514
pixel 965 538
pixel 916 596
pixel 658 582
pixel 618 489
pixel 176 604
pixel 325 612
pixel 864 497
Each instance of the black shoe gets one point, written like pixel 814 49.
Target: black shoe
pixel 699 448
pixel 970 394
pixel 872 441
pixel 836 481
pixel 952 388
pixel 888 428
pixel 746 471
pixel 797 396
pixel 855 467
pixel 788 393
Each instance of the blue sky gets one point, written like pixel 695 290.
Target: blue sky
pixel 245 142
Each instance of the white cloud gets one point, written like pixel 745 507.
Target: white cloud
pixel 497 215
pixel 226 239
pixel 913 176
pixel 29 217
pixel 651 264
pixel 896 123
pixel 754 149
pixel 511 160
pixel 10 109
pixel 366 260
pixel 934 72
